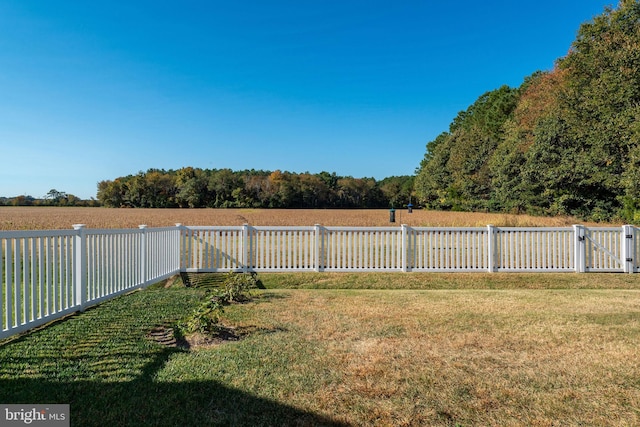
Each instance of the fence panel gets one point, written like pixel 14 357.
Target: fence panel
pixel 119 261
pixel 361 249
pixel 212 249
pixel 45 275
pixel 37 280
pixel 162 250
pixel 113 262
pixel 534 249
pixel 281 248
pixel 447 249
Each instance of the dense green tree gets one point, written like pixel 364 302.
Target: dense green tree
pixel 433 180
pixel 455 173
pixel 189 184
pixel 509 192
pixel 398 190
pixel 110 193
pixel 222 184
pixel 313 190
pixel 55 197
pixel 359 193
pixel 603 102
pixel 564 142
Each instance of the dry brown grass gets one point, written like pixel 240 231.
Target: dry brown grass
pixel 43 218
pixel 494 358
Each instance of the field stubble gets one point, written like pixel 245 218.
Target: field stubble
pixel 53 218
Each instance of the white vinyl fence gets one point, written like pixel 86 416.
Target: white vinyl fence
pixel 492 249
pixel 45 275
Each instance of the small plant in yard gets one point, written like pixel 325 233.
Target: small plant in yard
pixel 237 287
pixel 206 317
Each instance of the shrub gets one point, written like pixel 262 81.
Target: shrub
pixel 237 287
pixel 206 317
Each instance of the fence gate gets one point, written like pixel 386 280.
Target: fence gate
pixel 606 249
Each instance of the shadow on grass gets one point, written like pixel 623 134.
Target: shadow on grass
pixel 146 402
pixel 103 363
pixel 267 296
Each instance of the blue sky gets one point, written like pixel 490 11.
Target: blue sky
pixel 91 91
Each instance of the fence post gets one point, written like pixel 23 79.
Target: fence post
pixel 628 248
pixel 317 228
pixel 80 266
pixel 181 248
pixel 246 241
pixel 580 249
pixel 491 248
pixel 405 247
pixel 143 254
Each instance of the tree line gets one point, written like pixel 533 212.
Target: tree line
pixel 191 187
pixel 52 198
pixel 566 142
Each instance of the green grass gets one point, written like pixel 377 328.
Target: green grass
pixel 452 350
pixel 450 281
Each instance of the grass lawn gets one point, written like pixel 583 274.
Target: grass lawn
pixel 332 349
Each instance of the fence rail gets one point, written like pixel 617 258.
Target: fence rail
pixel 45 275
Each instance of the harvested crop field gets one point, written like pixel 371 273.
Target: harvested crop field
pixel 45 218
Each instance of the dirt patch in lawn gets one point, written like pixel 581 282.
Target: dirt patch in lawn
pixel 165 335
pixel 199 340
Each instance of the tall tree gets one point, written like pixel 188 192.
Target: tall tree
pixel 455 172
pixel 565 142
pixel 600 104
